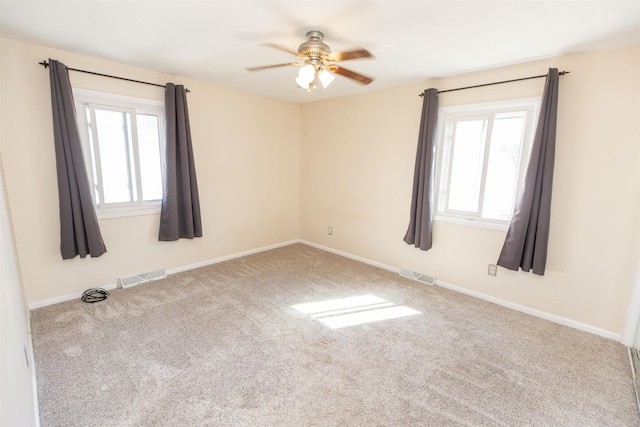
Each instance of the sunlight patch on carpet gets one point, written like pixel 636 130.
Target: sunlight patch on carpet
pixel 351 311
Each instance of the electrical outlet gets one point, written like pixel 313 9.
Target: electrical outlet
pixel 492 270
pixel 330 231
pixel 216 238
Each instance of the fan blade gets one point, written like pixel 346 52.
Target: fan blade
pixel 364 80
pixel 283 48
pixel 353 54
pixel 266 67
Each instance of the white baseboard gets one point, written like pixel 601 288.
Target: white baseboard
pixel 112 286
pixel 34 381
pixel 64 298
pixel 524 309
pixel 229 257
pixel 354 257
pixel 532 311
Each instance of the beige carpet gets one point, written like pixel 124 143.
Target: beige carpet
pixel 223 346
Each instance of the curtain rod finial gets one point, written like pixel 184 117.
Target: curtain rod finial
pixel 44 63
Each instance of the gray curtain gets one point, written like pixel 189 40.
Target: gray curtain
pixel 79 230
pixel 419 231
pixel 525 246
pixel 180 216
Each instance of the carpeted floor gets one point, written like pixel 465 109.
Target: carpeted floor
pixel 223 346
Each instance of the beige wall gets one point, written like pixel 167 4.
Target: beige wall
pixel 357 156
pixel 247 161
pixel 271 171
pixel 18 403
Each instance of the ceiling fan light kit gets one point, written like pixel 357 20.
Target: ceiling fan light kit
pixel 310 74
pixel 318 63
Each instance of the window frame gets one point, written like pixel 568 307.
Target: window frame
pixel 119 103
pixel 447 117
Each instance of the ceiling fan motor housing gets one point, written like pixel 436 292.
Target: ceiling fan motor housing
pixel 314 48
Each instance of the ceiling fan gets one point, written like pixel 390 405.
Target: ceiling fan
pixel 318 63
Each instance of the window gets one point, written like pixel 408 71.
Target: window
pixel 482 156
pixel 123 140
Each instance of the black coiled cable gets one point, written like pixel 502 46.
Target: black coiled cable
pixel 94 295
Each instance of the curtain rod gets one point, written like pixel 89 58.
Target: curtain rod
pixel 45 64
pixel 562 73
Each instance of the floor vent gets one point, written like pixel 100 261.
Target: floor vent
pixel 125 282
pixel 420 277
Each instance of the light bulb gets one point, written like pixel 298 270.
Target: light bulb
pixel 326 78
pixel 306 72
pixel 306 75
pixel 304 84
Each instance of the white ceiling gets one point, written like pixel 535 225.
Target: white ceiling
pixel 412 41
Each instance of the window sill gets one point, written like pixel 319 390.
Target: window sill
pixel 472 222
pixel 110 213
